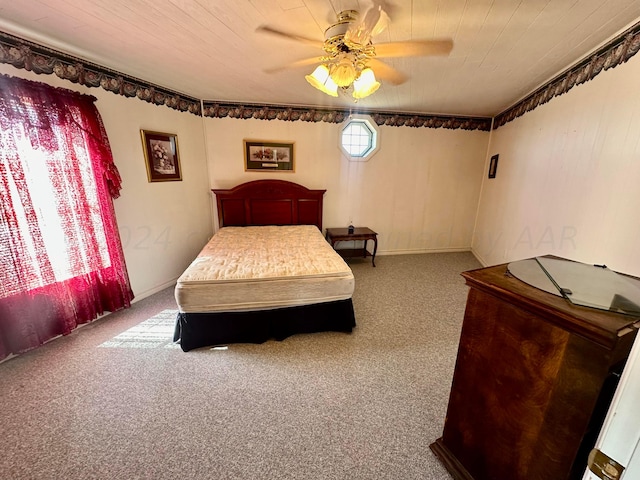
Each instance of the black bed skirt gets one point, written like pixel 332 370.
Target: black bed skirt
pixel 195 330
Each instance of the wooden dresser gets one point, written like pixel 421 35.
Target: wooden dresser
pixel 533 380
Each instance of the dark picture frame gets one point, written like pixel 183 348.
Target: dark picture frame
pixel 493 166
pixel 161 156
pixel 266 156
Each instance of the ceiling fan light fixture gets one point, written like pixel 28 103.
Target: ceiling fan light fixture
pixel 365 84
pixel 348 47
pixel 321 80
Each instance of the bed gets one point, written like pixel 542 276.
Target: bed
pixel 268 273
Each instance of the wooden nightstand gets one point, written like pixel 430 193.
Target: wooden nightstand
pixel 335 235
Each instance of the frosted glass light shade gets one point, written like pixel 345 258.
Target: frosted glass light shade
pixel 366 84
pixel 321 80
pixel 344 72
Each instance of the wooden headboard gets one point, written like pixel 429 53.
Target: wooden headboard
pixel 269 202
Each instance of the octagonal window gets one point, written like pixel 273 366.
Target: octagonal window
pixel 359 138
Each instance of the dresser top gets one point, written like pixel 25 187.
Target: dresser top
pixel 601 326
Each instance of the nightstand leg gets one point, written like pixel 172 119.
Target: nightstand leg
pixel 375 248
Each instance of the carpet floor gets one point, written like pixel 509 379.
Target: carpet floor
pixel 116 399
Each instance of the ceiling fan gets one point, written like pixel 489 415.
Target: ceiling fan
pixel 350 57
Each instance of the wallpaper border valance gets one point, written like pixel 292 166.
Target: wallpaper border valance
pixel 336 115
pixel 39 59
pixel 614 53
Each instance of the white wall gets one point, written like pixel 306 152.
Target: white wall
pixel 419 191
pixel 163 225
pixel 567 180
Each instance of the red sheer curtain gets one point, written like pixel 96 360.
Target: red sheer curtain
pixel 60 254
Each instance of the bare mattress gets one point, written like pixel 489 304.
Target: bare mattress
pixel 261 268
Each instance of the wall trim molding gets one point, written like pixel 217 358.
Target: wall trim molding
pixel 614 53
pixel 40 59
pixel 246 111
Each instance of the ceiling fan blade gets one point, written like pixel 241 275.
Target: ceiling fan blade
pixel 386 72
pixel 289 36
pixel 299 63
pixel 381 25
pixel 374 22
pixel 359 32
pixel 414 48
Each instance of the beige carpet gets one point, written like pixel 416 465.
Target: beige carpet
pixel 117 400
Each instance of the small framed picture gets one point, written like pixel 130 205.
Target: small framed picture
pixel 260 156
pixel 493 166
pixel 161 156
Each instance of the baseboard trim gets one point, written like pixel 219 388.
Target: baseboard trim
pixel 482 261
pixel 424 250
pixel 147 293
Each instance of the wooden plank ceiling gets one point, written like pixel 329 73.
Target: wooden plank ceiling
pixel 209 49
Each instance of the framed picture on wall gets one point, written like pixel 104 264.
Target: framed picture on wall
pixel 261 156
pixel 493 166
pixel 161 156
